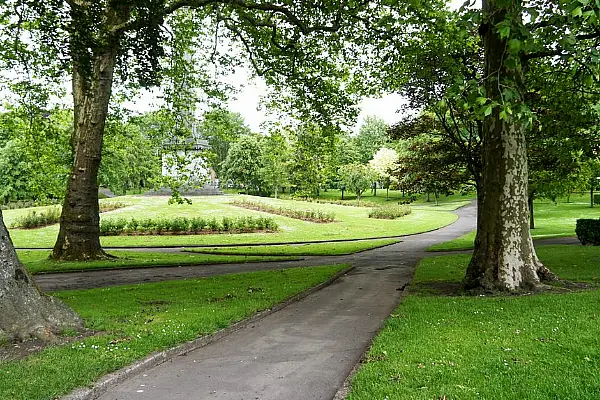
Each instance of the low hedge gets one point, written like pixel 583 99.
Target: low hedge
pixel 37 219
pixel 390 211
pixel 597 199
pixel 588 231
pixel 185 226
pixel 305 215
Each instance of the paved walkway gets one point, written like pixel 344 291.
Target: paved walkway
pixel 304 351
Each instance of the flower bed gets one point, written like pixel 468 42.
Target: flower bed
pixel 305 215
pixel 186 226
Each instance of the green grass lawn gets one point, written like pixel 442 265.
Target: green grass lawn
pixel 136 320
pixel 312 249
pixel 543 346
pixel 551 220
pixel 447 203
pixel 351 222
pixel 37 261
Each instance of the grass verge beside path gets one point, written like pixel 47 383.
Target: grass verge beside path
pixel 551 220
pixel 308 249
pixel 37 261
pixel 137 320
pixel 539 347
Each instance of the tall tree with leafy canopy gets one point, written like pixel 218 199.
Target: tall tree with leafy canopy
pixel 275 160
pixel 221 128
pixel 357 178
pixel 94 40
pixel 372 135
pixel 311 151
pixel 98 42
pixel 383 163
pixel 243 164
pixel 515 36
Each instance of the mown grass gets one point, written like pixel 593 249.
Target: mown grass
pixel 351 223
pixel 551 220
pixel 574 263
pixel 447 203
pixel 37 261
pixel 542 346
pixel 308 249
pixel 136 320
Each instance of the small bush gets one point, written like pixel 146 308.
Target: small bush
pixel 179 225
pixel 214 225
pixel 36 219
pixel 146 225
pixel 390 211
pixel 588 231
pixel 597 199
pixel 197 224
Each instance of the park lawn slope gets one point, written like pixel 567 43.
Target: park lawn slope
pixel 350 223
pixel 502 347
pixel 37 261
pixel 136 320
pixel 306 249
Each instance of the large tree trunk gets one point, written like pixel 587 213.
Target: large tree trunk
pixel 25 311
pixel 79 235
pixel 504 257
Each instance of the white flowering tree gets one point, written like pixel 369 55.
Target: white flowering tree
pixel 384 162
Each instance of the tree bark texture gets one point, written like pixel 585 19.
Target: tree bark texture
pixel 504 257
pixel 25 311
pixel 79 234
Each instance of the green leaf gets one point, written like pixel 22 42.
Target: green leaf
pixel 577 12
pixel 481 100
pixel 504 32
pixel 515 45
pixel 487 110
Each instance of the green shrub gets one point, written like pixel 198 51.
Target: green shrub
pixel 112 226
pixel 146 225
pixel 214 225
pixel 588 231
pixel 227 224
pixel 390 211
pixel 307 215
pixel 106 206
pixel 186 225
pixel 179 225
pixel 197 224
pixel 36 219
pixel 597 199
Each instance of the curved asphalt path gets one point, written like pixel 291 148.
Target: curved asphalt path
pixel 304 351
pixel 411 249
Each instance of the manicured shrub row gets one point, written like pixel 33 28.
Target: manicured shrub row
pixel 51 216
pixel 588 231
pixel 305 215
pixel 28 203
pixel 35 219
pixel 352 203
pixel 106 206
pixel 185 226
pixel 390 211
